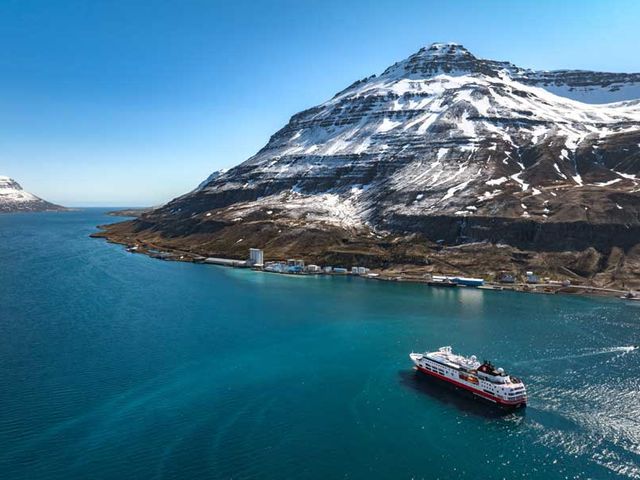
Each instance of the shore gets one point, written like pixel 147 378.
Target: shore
pixel 395 273
pixel 129 212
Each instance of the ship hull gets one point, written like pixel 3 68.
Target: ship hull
pixel 480 394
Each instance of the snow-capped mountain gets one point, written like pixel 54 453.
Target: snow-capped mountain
pixel 445 145
pixel 14 199
pixel 581 85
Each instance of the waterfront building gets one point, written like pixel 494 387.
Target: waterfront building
pixel 468 282
pixel 295 262
pixel 277 267
pixel 532 278
pixel 507 278
pixel 256 257
pixel 294 265
pixel 359 270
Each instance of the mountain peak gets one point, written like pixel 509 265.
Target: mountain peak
pixel 439 49
pixel 8 182
pixel 14 199
pixel 434 59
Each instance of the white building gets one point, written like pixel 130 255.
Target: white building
pixel 359 270
pixel 256 257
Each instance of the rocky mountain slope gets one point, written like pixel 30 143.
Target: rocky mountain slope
pixel 442 148
pixel 14 199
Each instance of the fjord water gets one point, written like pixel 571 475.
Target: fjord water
pixel 115 365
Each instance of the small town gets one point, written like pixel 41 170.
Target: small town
pixel 529 281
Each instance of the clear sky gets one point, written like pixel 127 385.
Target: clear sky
pixel 127 103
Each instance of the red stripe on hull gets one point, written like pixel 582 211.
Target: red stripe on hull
pixel 473 390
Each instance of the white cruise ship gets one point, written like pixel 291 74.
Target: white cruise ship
pixel 482 379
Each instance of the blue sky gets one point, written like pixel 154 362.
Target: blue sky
pixel 124 103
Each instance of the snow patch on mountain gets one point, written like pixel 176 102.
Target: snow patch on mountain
pixel 14 199
pixel 11 191
pixel 437 133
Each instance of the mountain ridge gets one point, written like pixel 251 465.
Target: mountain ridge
pixel 579 83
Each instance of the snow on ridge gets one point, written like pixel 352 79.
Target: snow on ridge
pixel 387 125
pixel 598 94
pixel 210 178
pixel 606 184
pixel 12 192
pixel 578 179
pixel 628 176
pixel 595 88
pixel 522 183
pixel 488 195
pixel 497 181
pixel 572 119
pixel 453 190
pixel 329 208
pixel 466 126
pixel 421 134
pixel 557 169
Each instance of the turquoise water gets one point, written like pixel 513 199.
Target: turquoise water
pixel 114 366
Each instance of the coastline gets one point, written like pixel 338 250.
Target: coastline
pixel 396 273
pixel 129 212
